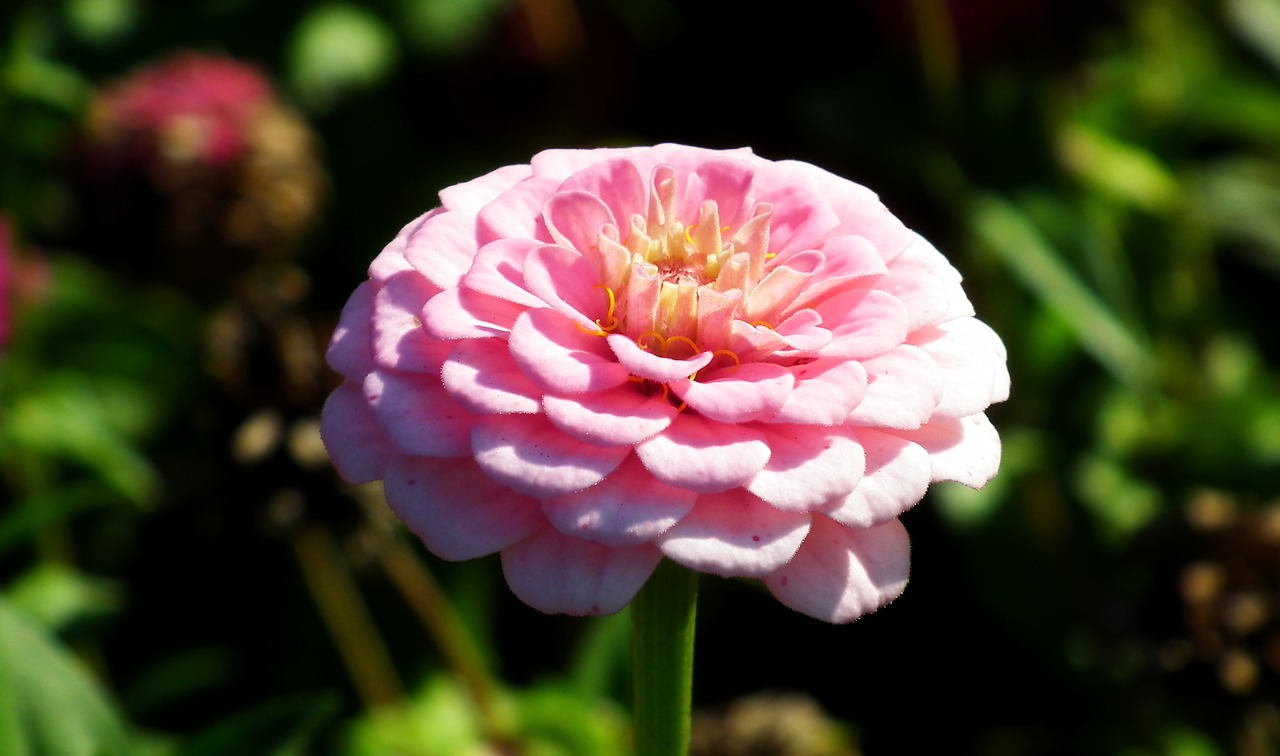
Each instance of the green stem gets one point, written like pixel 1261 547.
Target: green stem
pixel 662 624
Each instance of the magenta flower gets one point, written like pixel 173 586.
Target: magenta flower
pixel 611 356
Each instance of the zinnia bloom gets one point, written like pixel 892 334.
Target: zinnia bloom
pixel 612 356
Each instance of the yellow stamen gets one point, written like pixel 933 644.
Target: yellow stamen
pixel 770 255
pixel 682 340
pixel 763 324
pixel 737 363
pixel 584 329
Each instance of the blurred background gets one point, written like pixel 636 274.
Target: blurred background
pixel 190 190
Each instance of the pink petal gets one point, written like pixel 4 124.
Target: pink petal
pixel 399 340
pixel 470 196
pixel 466 314
pixel 643 363
pixel 560 357
pixel 739 394
pixel 858 208
pixel 560 574
pixel 569 283
pixel 457 511
pixel 734 534
pixel 727 181
pixel 966 449
pixel 898 474
pixel 391 259
pixel 574 219
pixel 516 213
pixel 927 284
pixel 418 415
pixel 801 218
pixel 356 445
pixel 350 351
pixel 808 466
pixel 849 261
pixel 863 323
pixel 441 249
pixel 781 285
pixel 626 508
pixel 803 331
pixel 617 183
pixel 622 416
pixel 498 271
pixel 840 573
pixel 482 377
pixel 972 359
pixel 528 454
pixel 703 455
pixel 904 387
pixel 826 391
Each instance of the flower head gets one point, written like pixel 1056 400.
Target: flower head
pixel 611 356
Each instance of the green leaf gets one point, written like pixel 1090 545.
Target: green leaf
pixel 283 727
pixel 49 704
pixel 1007 232
pixel 59 596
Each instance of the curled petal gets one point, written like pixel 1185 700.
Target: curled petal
pixel 399 340
pixel 645 364
pixel 735 534
pixel 617 183
pixel 622 416
pixel 350 350
pixel 418 415
pixel 568 282
pixel 626 508
pixel 748 392
pixel 556 573
pixel 356 445
pixel 574 219
pixel 457 511
pixel 897 476
pixel 840 573
pixel 528 454
pixel 972 359
pixel 803 331
pixel 482 377
pixel 560 357
pixel 703 455
pixel 903 390
pixel 808 467
pixel 965 450
pixel 498 271
pixel 825 392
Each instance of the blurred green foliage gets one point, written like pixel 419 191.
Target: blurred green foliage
pixel 182 573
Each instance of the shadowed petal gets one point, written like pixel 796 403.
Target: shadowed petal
pixel 556 573
pixel 560 357
pixel 574 219
pixel 626 508
pixel 703 455
pixel 826 391
pixel 840 573
pixel 622 416
pixel 498 271
pixel 645 364
pixel 568 282
pixel 418 416
pixel 356 445
pixel 482 377
pixel 897 476
pixel 808 466
pixel 391 259
pixel 457 511
pixel 748 392
pixel 442 247
pixel 399 340
pixel 526 453
pixel 734 534
pixel 350 350
pixel 465 314
pixel 617 183
pixel 516 213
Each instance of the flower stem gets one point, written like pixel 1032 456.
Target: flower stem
pixel 662 625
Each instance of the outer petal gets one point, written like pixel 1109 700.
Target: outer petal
pixel 560 357
pixel 927 284
pixel 470 196
pixel 556 573
pixel 735 534
pixel 516 213
pixel 972 359
pixel 399 340
pixel 457 511
pixel 482 377
pixel 356 445
pixel 905 386
pixel 898 474
pixel 863 323
pixel 441 249
pixel 966 450
pixel 809 466
pixel 626 508
pixel 826 391
pixel 622 416
pixel 418 415
pixel 350 351
pixel 750 392
pixel 528 454
pixel 703 455
pixel 391 259
pixel 840 573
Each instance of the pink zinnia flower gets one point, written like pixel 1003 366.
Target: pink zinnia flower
pixel 611 356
